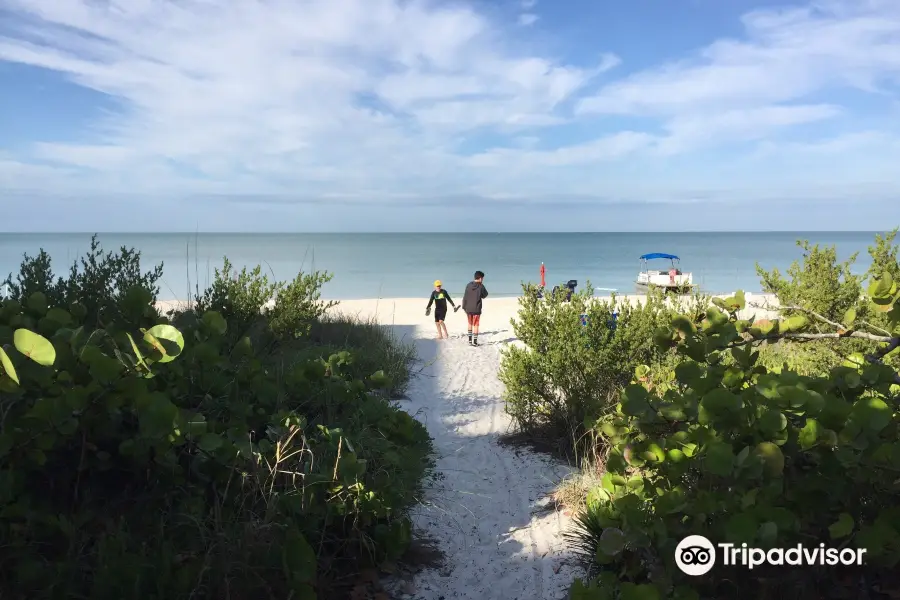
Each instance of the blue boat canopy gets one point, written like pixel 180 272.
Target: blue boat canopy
pixel 653 255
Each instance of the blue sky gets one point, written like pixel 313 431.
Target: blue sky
pixel 330 115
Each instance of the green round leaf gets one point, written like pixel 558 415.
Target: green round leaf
pixel 771 457
pixel 616 464
pixel 167 340
pixel 635 400
pixel 215 321
pixel 34 346
pixel 810 434
pixel 880 286
pixel 772 421
pixel 842 527
pixel 611 542
pixel 872 413
pixel 688 373
pixel 59 316
pixel 675 455
pixel 720 401
pixel 720 459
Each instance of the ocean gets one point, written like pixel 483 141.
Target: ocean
pixel 386 265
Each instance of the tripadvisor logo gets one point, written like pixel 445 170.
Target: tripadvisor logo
pixel 696 555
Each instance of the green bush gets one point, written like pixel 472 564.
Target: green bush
pixel 98 281
pixel 739 454
pixel 298 324
pixel 247 299
pixel 810 359
pixel 379 348
pixel 884 256
pixel 181 460
pixel 567 371
pixel 819 283
pixel 823 286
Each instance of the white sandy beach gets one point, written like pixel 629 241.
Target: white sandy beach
pixel 490 510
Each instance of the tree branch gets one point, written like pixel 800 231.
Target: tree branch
pixel 884 339
pixel 875 327
pixel 890 342
pixel 885 350
pixel 800 309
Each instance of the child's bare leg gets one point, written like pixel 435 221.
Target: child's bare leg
pixel 444 328
pixel 438 325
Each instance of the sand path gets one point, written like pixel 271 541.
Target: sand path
pixel 489 510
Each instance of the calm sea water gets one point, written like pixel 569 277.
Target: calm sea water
pixel 405 265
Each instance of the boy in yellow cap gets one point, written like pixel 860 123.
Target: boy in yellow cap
pixel 440 297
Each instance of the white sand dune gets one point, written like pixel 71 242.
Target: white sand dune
pixel 489 510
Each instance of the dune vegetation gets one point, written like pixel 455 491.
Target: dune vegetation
pixel 688 420
pixel 248 444
pixel 245 446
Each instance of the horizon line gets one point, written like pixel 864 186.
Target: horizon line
pixel 520 232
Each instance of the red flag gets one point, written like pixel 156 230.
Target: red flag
pixel 543 274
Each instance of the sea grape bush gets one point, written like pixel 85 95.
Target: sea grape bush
pixel 726 449
pixel 155 457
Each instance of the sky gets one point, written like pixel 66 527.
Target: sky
pixel 421 115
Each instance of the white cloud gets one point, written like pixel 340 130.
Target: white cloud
pixel 391 98
pixel 787 55
pixel 600 150
pixel 694 130
pixel 318 88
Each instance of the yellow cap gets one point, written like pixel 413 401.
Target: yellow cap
pixel 437 283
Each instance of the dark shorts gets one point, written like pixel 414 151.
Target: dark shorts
pixel 474 320
pixel 439 314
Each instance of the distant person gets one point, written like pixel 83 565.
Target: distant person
pixel 475 293
pixel 440 297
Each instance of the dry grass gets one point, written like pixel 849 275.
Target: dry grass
pixel 571 493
